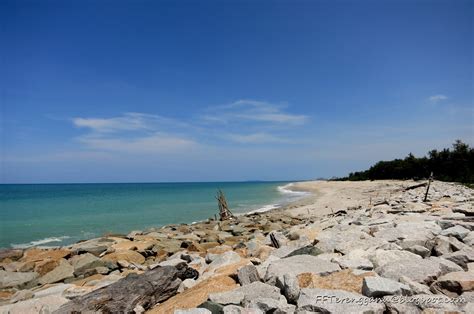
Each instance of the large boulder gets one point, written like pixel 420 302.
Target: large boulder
pixel 9 279
pixel 62 272
pixel 296 265
pixel 129 256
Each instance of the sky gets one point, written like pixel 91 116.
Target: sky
pixel 157 91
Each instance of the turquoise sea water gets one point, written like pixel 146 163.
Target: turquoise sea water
pixel 60 214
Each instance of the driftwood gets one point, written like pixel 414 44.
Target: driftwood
pixel 144 290
pixel 224 211
pixel 274 240
pixel 428 187
pixel 415 186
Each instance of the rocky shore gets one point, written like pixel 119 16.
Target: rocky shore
pixel 352 247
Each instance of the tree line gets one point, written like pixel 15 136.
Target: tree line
pixel 455 165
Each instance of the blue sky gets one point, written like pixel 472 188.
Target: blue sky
pixel 121 91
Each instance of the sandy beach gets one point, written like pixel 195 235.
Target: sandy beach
pixel 370 239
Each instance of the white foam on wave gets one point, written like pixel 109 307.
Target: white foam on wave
pixel 263 209
pixel 286 189
pixel 39 242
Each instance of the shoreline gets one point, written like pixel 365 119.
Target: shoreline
pixel 336 235
pixel 283 189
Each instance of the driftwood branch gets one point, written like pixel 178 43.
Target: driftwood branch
pixel 428 187
pixel 224 210
pixel 416 186
pixel 142 291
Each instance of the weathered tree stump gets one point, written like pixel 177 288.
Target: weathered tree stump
pixel 224 210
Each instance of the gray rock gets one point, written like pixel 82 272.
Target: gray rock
pixel 415 287
pixel 379 287
pixel 9 279
pixel 347 261
pixel 458 232
pixel 419 250
pixel 193 311
pixel 446 245
pixel 394 306
pixel 62 272
pixel 247 292
pixel 461 257
pixel 211 306
pixel 306 250
pixel 289 287
pixel 248 274
pixel 93 246
pixel 234 309
pixel 186 284
pixel 454 284
pixel 331 301
pixel 419 270
pixel 298 264
pixel 22 295
pixel 268 305
pixel 381 257
pixel 84 262
pixel 469 239
pixel 430 303
pixel 225 259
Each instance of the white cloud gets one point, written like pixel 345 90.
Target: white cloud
pixel 155 143
pixel 255 138
pixel 437 98
pixel 252 110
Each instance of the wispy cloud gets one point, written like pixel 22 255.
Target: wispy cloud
pixel 155 143
pixel 437 98
pixel 252 110
pixel 255 138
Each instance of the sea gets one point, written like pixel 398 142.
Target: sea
pixel 49 215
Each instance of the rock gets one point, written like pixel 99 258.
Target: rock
pixel 454 284
pixel 458 232
pixel 419 250
pixel 382 257
pixel 394 306
pixel 37 255
pixel 248 292
pixel 9 279
pixel 186 284
pixel 22 295
pixel 347 280
pixel 213 307
pixel 296 265
pixel 45 301
pixel 345 239
pixel 446 245
pixel 419 270
pixel 268 305
pixel 224 259
pixel 307 250
pixel 330 301
pixel 415 287
pixel 347 261
pixel 129 256
pixel 461 257
pixel 247 275
pixel 11 254
pixel 289 287
pixel 143 290
pixel 379 287
pixel 469 239
pixel 234 309
pixel 62 272
pixel 45 266
pixel 93 246
pixel 193 311
pixel 198 294
pixel 82 263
